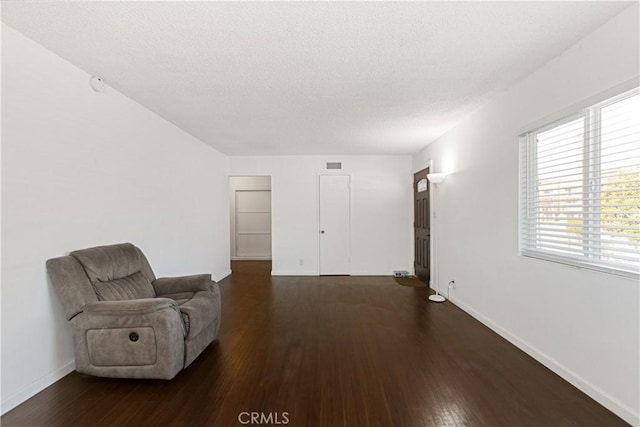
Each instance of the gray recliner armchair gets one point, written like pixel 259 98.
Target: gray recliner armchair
pixel 128 324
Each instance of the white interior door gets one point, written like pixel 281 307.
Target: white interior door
pixel 334 224
pixel 253 224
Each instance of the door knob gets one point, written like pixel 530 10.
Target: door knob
pixel 321 231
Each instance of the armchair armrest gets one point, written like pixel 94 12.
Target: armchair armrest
pixel 129 307
pixel 174 285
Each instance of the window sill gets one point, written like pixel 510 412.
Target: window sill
pixel 581 265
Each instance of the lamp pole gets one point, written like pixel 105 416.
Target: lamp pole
pixel 436 179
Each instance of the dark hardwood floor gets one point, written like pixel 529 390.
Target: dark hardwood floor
pixel 331 351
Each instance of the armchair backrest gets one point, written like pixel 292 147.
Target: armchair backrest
pixel 116 272
pixel 103 273
pixel 71 284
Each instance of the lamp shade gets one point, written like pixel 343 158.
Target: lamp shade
pixel 436 178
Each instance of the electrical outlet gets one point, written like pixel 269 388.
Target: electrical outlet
pixel 452 284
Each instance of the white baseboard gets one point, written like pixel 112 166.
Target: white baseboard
pixel 315 273
pixel 375 273
pixel 219 276
pixel 597 394
pixel 35 387
pixel 293 273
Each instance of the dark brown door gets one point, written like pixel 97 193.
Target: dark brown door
pixel 421 225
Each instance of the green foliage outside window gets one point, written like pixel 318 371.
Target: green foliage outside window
pixel 622 189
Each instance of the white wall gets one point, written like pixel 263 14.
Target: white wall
pixel 580 323
pixel 244 183
pixel 381 210
pixel 79 169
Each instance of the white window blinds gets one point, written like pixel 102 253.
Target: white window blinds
pixel 580 188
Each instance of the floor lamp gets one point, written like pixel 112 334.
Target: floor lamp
pixel 435 179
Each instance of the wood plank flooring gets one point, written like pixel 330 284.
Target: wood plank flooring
pixel 330 351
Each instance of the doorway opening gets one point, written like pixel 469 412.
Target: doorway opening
pixel 250 215
pixel 422 226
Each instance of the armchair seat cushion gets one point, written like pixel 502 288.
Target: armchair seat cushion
pixel 197 309
pixel 193 283
pixel 180 297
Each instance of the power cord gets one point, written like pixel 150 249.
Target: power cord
pixel 451 284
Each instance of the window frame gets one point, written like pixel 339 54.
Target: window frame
pixel 527 179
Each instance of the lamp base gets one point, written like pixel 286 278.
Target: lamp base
pixel 436 298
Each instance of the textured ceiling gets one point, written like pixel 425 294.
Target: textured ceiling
pixel 309 78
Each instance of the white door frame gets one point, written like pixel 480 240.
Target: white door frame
pixel 232 213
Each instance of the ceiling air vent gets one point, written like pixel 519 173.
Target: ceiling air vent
pixel 334 165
